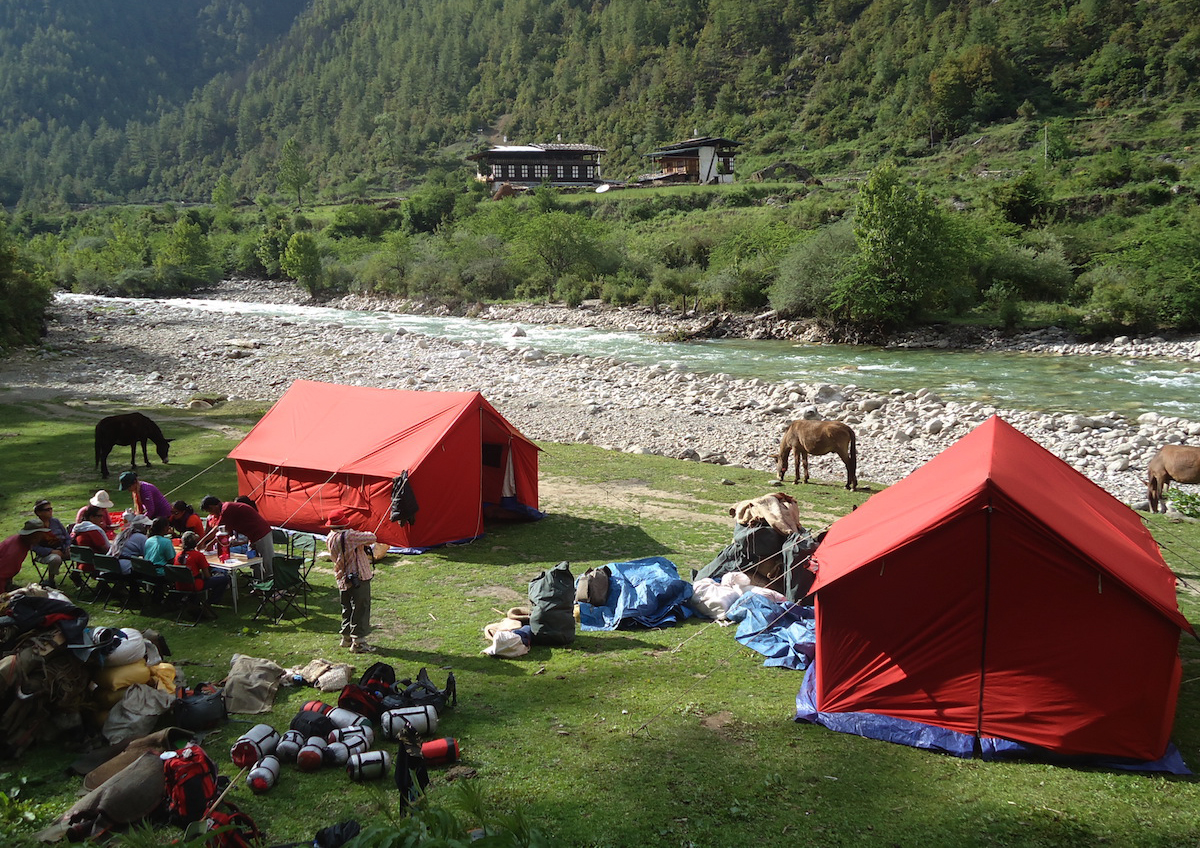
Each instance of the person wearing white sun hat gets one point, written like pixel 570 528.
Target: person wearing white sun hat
pixel 102 500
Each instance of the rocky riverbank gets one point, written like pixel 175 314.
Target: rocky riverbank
pixel 164 353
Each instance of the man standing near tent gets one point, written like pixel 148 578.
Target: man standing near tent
pixel 242 518
pixel 352 573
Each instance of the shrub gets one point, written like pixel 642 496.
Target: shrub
pixel 811 270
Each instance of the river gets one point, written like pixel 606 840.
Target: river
pixel 1086 384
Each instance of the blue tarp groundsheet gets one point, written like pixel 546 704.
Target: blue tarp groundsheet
pixel 646 592
pixel 919 735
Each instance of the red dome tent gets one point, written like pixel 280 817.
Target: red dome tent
pixel 323 446
pixel 998 593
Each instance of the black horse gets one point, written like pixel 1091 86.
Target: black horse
pixel 128 429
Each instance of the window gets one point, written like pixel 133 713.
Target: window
pixel 574 172
pixel 541 172
pixel 524 172
pixel 512 172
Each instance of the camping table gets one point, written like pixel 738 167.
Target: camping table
pixel 231 566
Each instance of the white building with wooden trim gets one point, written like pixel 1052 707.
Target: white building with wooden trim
pixel 531 165
pixel 706 161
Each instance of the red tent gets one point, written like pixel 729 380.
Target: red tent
pixel 323 446
pixel 997 592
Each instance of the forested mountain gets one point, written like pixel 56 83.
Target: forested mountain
pixel 141 99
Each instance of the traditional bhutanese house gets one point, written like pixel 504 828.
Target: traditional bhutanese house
pixel 531 165
pixel 698 160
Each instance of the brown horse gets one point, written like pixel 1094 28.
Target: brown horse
pixel 129 429
pixel 1180 463
pixel 819 438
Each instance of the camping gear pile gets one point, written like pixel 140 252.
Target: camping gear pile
pixel 167 776
pixel 57 675
pixel 43 682
pixel 376 709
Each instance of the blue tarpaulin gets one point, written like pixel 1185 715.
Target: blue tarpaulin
pixel 646 592
pixel 919 735
pixel 784 633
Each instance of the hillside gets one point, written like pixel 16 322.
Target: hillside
pixel 112 101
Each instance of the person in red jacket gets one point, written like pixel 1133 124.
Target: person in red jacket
pixel 202 575
pixel 15 550
pixel 241 518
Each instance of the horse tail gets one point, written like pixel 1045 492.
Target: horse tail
pixel 854 456
pixel 1153 489
pixel 97 465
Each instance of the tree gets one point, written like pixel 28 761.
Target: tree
pixel 908 253
pixel 559 243
pixel 23 299
pixel 301 260
pixel 294 173
pixel 223 194
pixel 186 255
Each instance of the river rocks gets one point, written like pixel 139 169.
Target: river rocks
pixel 661 410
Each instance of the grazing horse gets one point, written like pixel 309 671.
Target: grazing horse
pixel 1180 463
pixel 819 438
pixel 128 429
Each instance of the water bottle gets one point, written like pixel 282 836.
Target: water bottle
pixel 222 544
pixel 369 766
pixel 289 746
pixel 255 744
pixel 264 774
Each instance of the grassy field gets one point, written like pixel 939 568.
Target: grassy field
pixel 677 737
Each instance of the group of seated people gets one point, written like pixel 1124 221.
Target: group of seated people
pixel 150 538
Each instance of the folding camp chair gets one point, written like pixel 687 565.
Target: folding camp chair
pixel 191 600
pixel 282 540
pixel 109 580
pixel 279 593
pixel 151 579
pixel 304 548
pixel 82 570
pixel 38 567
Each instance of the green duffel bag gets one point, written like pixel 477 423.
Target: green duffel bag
pixel 552 606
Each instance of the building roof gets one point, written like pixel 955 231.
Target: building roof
pixel 518 149
pixel 693 144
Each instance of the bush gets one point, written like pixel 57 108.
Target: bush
pixel 810 271
pixel 1028 274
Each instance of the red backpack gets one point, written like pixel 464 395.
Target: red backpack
pixel 191 784
pixel 231 829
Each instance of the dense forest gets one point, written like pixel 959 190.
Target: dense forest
pixel 137 100
pixel 1000 162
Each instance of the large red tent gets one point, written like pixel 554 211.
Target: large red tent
pixel 324 446
pixel 996 592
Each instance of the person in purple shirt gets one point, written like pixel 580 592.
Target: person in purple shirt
pixel 244 519
pixel 147 499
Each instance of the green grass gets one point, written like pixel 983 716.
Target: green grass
pixel 678 737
